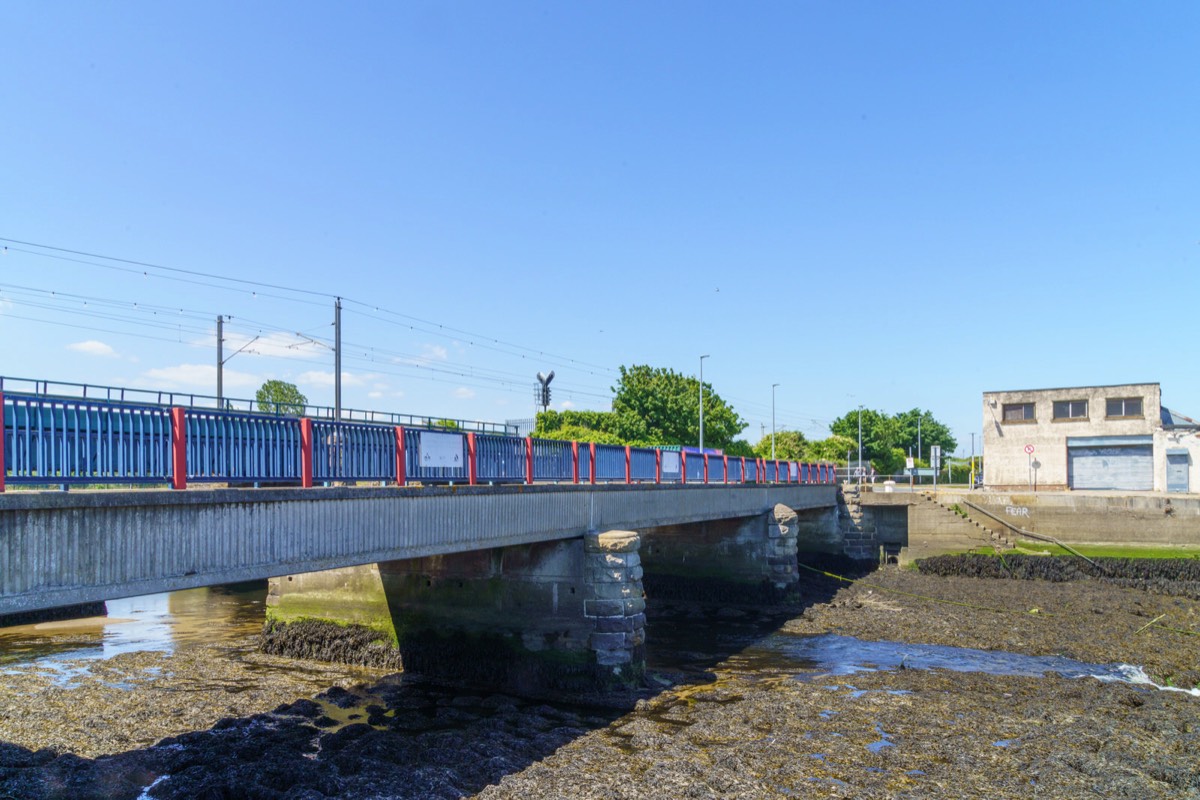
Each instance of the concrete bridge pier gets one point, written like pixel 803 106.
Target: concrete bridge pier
pixel 558 615
pixel 741 559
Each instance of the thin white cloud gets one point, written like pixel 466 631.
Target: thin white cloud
pixel 430 353
pixel 463 393
pixel 91 347
pixel 316 377
pixel 198 376
pixel 565 404
pixel 375 395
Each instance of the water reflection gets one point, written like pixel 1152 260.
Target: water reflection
pixel 152 623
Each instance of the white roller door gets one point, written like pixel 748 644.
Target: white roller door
pixel 1128 467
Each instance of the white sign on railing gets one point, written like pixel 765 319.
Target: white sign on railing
pixel 440 449
pixel 670 461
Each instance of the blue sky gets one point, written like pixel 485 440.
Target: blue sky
pixel 894 204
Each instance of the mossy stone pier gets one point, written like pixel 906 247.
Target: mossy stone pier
pixel 564 615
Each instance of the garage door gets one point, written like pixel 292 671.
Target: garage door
pixel 1128 467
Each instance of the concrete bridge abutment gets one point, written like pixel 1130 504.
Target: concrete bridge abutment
pixel 731 560
pixel 559 615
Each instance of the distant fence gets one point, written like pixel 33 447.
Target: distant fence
pixel 75 440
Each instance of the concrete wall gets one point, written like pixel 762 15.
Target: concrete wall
pixel 1006 465
pixel 1177 439
pixel 1095 517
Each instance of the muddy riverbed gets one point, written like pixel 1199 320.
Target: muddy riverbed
pixel 742 702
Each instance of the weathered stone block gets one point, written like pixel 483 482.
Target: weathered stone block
pixel 612 658
pixel 603 608
pixel 614 624
pixel 607 641
pixel 612 542
pixel 613 591
pixel 635 605
pixel 635 573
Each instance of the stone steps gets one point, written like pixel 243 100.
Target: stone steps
pixel 999 539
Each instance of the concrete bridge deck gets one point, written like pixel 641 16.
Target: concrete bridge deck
pixel 63 548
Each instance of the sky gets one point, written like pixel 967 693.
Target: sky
pixel 898 205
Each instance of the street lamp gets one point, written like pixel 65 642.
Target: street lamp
pixel 773 385
pixel 860 469
pixel 702 402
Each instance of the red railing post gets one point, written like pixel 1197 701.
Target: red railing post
pixel 591 462
pixel 705 457
pixel 401 458
pixel 178 448
pixel 529 459
pixel 575 462
pixel 725 459
pixel 471 460
pixel 306 453
pixel 657 466
pixel 683 466
pixel 2 467
pixel 628 461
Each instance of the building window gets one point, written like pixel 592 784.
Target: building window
pixel 1018 412
pixel 1070 409
pixel 1124 407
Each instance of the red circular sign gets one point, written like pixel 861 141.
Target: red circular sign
pixel 1029 449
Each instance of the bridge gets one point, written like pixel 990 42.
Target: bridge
pixel 429 545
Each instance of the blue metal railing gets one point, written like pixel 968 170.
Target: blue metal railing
pixel 643 465
pixel 500 459
pixel 716 469
pixel 51 440
pixel 57 440
pixel 735 470
pixel 610 463
pixel 553 460
pixel 232 446
pixel 353 451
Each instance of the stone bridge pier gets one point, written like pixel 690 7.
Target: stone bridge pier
pixel 565 615
pixel 561 615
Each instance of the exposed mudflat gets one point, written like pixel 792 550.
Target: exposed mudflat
pixel 731 712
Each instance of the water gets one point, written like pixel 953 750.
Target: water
pixel 687 639
pixel 66 649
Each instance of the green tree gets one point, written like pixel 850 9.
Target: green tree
pixel 880 434
pixel 661 406
pixel 789 446
pixel 740 448
pixel 449 424
pixel 832 449
pixel 932 433
pixel 280 397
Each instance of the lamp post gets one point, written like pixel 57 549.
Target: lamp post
pixel 860 470
pixel 773 385
pixel 702 402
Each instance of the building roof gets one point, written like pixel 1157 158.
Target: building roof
pixel 1172 419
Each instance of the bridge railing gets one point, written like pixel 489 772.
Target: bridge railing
pixel 62 441
pixel 55 440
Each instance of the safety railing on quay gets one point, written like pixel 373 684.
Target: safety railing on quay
pixel 50 440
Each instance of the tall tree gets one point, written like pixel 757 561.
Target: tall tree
pixel 280 397
pixel 789 446
pixel 931 432
pixel 661 406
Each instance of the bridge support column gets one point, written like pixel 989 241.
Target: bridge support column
pixel 746 559
pixel 562 615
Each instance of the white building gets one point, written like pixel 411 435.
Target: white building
pixel 1088 437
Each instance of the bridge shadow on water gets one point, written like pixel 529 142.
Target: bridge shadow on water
pixel 406 736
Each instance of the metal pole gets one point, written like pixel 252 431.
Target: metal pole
pixel 702 402
pixel 337 359
pixel 773 385
pixel 860 408
pixel 220 361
